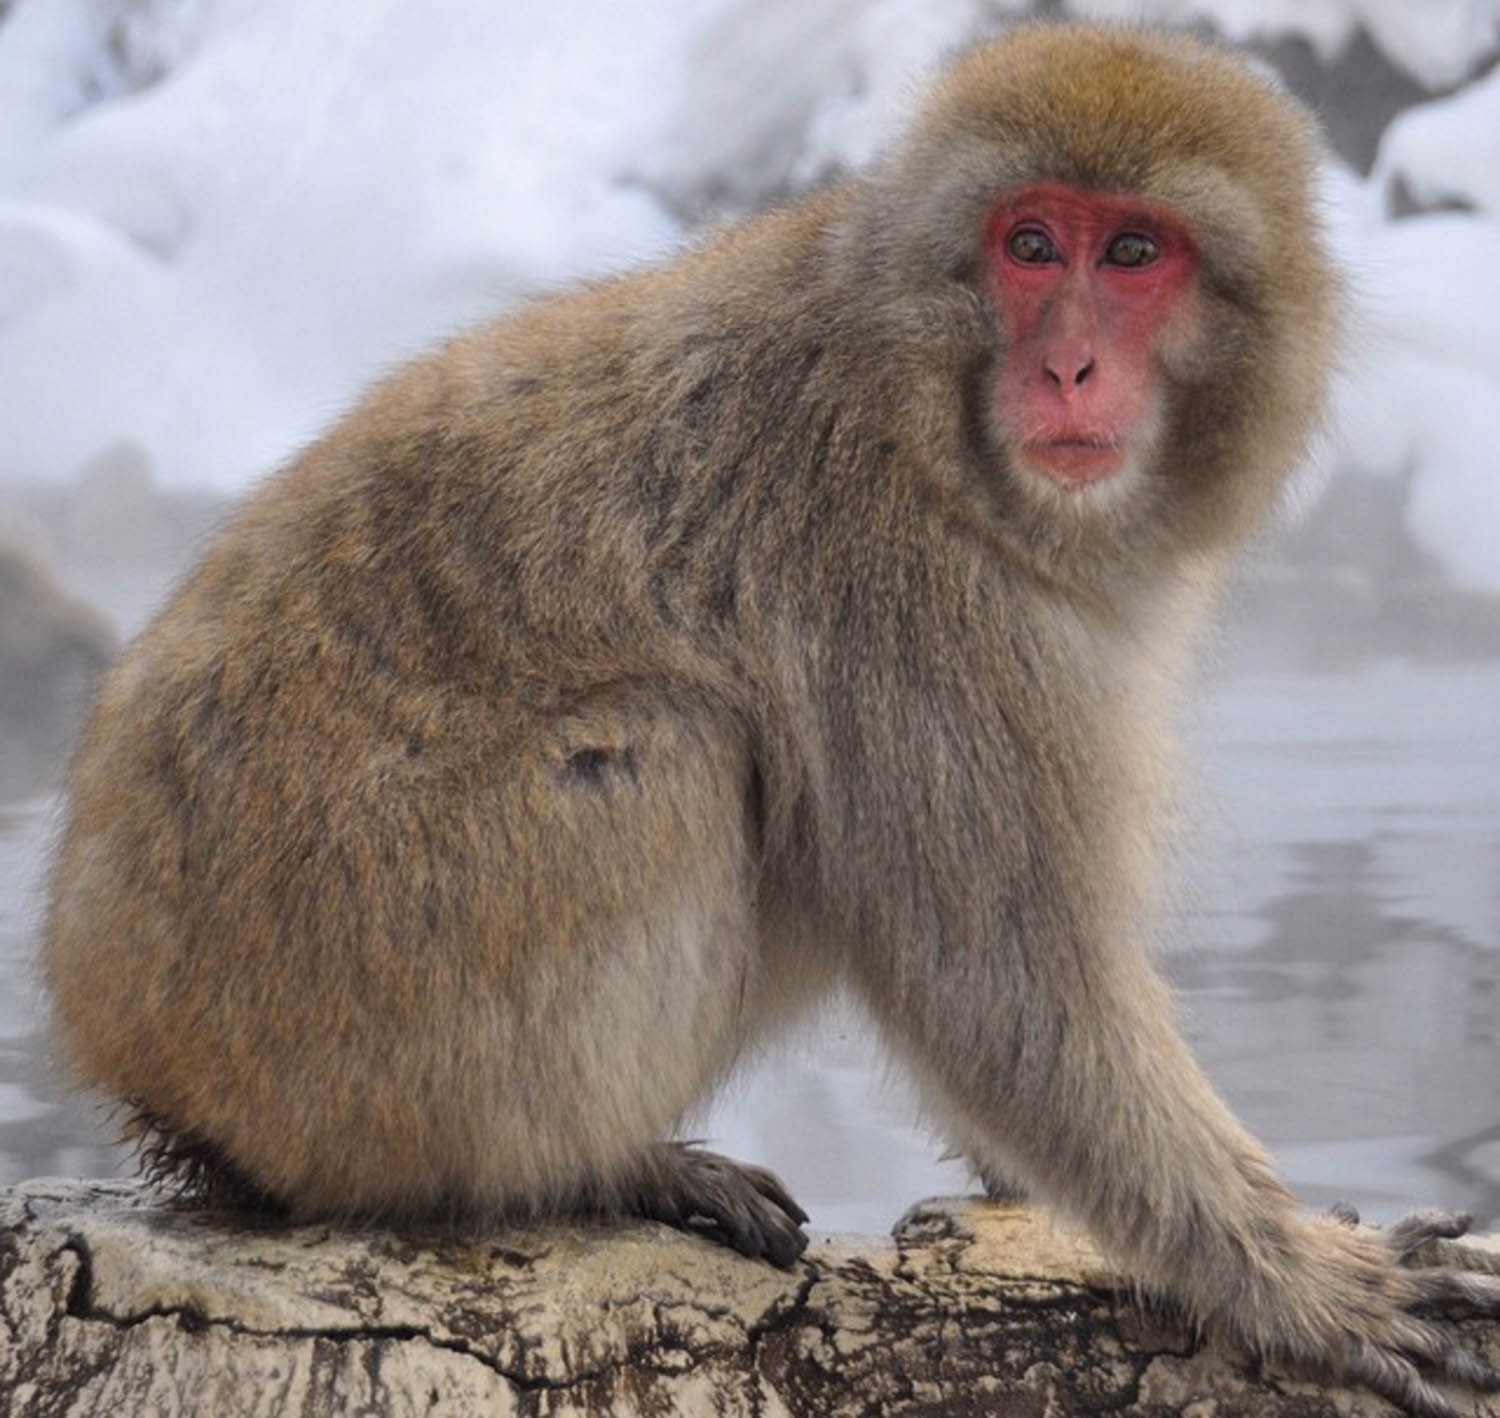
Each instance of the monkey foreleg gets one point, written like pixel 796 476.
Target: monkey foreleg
pixel 1103 1107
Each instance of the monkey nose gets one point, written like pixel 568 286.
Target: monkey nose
pixel 1068 372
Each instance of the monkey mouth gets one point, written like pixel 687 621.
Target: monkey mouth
pixel 1074 459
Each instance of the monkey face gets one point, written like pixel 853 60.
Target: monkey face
pixel 1087 288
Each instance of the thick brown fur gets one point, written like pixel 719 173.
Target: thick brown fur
pixel 617 678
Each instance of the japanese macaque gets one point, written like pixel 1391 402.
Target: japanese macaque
pixel 628 672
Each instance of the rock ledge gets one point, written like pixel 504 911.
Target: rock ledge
pixel 112 1303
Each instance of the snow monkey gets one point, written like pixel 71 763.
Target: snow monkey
pixel 615 680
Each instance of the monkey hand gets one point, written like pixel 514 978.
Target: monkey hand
pixel 1364 1308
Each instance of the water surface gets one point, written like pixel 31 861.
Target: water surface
pixel 1336 954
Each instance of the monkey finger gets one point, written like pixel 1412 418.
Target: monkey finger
pixel 1458 1365
pixel 716 1212
pixel 1413 1232
pixel 1397 1380
pixel 769 1185
pixel 1431 1223
pixel 1448 1255
pixel 1438 1349
pixel 1471 1289
pixel 758 1235
pixel 1451 1256
pixel 759 1228
pixel 1425 1241
pixel 738 1231
pixel 784 1243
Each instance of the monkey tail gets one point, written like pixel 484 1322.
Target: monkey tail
pixel 190 1167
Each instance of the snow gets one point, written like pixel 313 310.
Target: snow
pixel 1449 150
pixel 220 218
pixel 1420 398
pixel 1434 41
pixel 214 264
pixel 893 44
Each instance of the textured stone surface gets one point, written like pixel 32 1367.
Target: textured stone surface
pixel 112 1303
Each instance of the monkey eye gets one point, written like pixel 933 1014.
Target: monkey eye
pixel 1032 247
pixel 1131 248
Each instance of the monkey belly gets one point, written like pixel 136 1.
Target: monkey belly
pixel 391 992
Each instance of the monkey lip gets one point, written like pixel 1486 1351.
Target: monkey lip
pixel 1074 459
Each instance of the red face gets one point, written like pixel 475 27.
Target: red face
pixel 1088 286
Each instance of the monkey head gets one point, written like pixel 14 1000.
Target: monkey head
pixel 1130 226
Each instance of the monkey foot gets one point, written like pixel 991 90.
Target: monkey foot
pixel 743 1206
pixel 1447 1275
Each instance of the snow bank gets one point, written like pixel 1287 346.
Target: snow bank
pixel 1434 41
pixel 1421 396
pixel 220 218
pixel 215 263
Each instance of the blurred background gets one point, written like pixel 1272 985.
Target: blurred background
pixel 220 218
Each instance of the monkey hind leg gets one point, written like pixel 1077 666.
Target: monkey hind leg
pixel 999 1185
pixel 741 1205
pixel 997 1178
